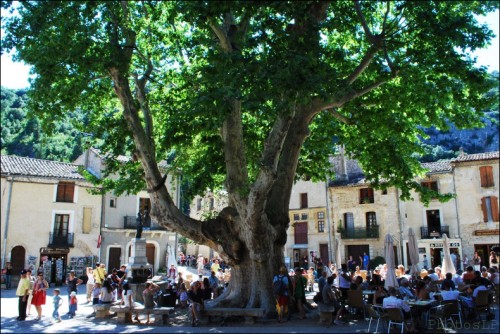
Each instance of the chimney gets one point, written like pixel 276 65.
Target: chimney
pixel 343 176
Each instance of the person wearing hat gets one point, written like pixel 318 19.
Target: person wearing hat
pixel 23 288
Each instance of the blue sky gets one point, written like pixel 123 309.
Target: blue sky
pixel 15 75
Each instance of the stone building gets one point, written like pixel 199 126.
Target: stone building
pixel 119 219
pixel 49 219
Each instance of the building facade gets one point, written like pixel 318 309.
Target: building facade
pixel 50 220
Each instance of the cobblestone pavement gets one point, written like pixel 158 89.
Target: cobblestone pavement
pixel 179 322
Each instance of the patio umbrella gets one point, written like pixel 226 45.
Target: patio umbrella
pixel 338 257
pixel 390 277
pixel 171 257
pixel 448 266
pixel 413 249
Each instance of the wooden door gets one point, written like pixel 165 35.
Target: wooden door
pixel 323 253
pixel 150 254
pixel 17 259
pixel 114 256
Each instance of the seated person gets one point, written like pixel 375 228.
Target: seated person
pixel 357 284
pixel 195 297
pixel 447 293
pixel 421 290
pixel 393 302
pixel 468 276
pixel 449 280
pixel 379 295
pixel 405 290
pixel 433 274
pixel 481 284
pixel 331 298
pixel 457 278
pixel 376 279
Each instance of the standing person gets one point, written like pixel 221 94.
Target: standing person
pixel 195 296
pixel 22 292
pixel 72 285
pixel 8 275
pixel 214 284
pixel 281 291
pixel 493 259
pixel 200 263
pixel 299 292
pixel 57 301
pixel 351 264
pixel 101 271
pixel 215 266
pixel 366 261
pixel 476 262
pixel 31 279
pixel 425 262
pixel 465 262
pixel 90 283
pixel 122 275
pixel 148 294
pixel 73 304
pixel 39 295
pixel 172 272
pixel 453 256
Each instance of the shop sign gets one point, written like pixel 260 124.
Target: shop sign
pixel 486 232
pixel 440 245
pixel 50 251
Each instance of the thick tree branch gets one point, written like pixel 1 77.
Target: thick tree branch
pixel 368 33
pixel 224 41
pixel 370 53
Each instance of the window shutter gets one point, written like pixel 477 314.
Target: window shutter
pixel 494 208
pixel 87 220
pixel 70 191
pixel 485 209
pixel 486 173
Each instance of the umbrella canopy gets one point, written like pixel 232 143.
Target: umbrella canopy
pixel 448 265
pixel 413 249
pixel 338 257
pixel 390 277
pixel 171 257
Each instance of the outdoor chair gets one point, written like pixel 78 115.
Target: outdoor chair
pixel 375 312
pixel 396 317
pixel 482 303
pixel 355 301
pixel 446 312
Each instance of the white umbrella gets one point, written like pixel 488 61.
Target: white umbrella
pixel 413 249
pixel 171 257
pixel 390 277
pixel 448 265
pixel 338 257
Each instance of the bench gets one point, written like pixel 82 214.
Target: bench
pixel 124 313
pixel 250 314
pixel 325 313
pixel 102 310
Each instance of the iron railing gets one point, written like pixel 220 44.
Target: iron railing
pixel 61 240
pixel 431 233
pixel 360 233
pixel 130 223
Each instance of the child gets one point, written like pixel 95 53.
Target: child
pixel 73 304
pixel 96 292
pixel 183 297
pixel 57 300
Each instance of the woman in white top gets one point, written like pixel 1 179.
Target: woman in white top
pixel 90 283
pixel 106 292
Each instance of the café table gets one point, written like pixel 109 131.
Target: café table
pixel 422 308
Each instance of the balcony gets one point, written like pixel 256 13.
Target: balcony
pixel 130 223
pixel 360 233
pixel 434 233
pixel 57 240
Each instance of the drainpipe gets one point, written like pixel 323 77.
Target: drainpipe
pixel 103 206
pixel 178 191
pixel 7 218
pixel 328 221
pixel 400 226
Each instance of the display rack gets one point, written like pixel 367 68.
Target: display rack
pixel 80 263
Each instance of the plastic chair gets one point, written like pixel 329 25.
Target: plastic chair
pixel 447 311
pixel 396 317
pixel 375 312
pixel 482 303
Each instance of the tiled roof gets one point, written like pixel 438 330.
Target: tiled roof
pixel 477 156
pixel 438 166
pixel 15 165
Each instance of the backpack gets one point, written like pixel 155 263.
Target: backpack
pixel 279 287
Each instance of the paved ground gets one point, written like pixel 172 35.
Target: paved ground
pixel 179 322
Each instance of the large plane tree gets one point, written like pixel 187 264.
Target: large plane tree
pixel 248 95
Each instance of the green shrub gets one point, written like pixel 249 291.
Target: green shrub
pixel 378 260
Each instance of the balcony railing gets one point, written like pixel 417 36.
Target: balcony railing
pixel 57 240
pixel 431 233
pixel 130 223
pixel 360 233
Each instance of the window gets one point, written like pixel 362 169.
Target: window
pixel 486 176
pixel 198 204
pixel 296 216
pixel 349 221
pixel 303 201
pixel 321 226
pixel 371 219
pixel 65 192
pixel 112 202
pixel 304 216
pixel 366 196
pixel 211 203
pixel 61 224
pixel 384 192
pixel 321 215
pixel 489 206
pixel 432 185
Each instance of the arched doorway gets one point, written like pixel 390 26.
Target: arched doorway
pixel 150 254
pixel 17 259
